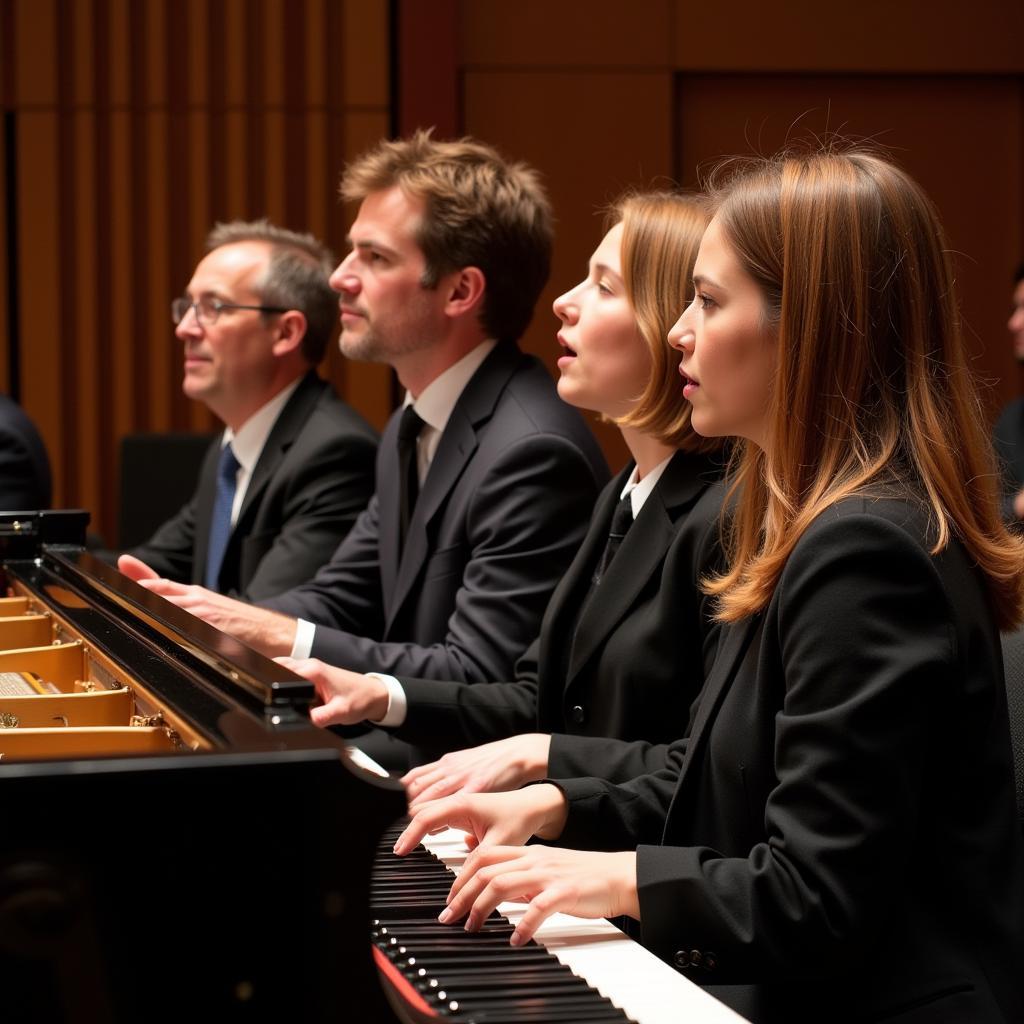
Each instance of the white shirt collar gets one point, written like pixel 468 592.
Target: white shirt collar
pixel 437 400
pixel 640 490
pixel 252 435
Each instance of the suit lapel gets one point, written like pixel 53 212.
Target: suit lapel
pixel 733 646
pixel 562 614
pixel 641 555
pixel 388 527
pixel 288 424
pixel 455 449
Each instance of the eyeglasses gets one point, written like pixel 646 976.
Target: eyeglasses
pixel 207 309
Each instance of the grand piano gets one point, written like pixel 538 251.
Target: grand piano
pixel 178 842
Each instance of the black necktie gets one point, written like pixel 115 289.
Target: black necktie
pixel 622 520
pixel 408 431
pixel 220 521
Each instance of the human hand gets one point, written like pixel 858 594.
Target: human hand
pixel 549 879
pixel 490 818
pixel 136 569
pixel 489 768
pixel 267 631
pixel 348 697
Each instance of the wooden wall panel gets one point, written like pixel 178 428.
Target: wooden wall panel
pixel 579 128
pixel 918 36
pixel 937 127
pixel 567 33
pixel 137 125
pixel 40 288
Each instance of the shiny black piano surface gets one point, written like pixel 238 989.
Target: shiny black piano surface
pixel 225 883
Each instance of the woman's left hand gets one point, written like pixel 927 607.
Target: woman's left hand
pixel 548 879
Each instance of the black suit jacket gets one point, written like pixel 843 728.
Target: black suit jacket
pixel 629 664
pixel 313 477
pixel 498 518
pixel 24 467
pixel 838 836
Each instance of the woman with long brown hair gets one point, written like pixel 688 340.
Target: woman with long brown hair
pixel 582 694
pixel 836 838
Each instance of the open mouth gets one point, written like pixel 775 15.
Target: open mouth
pixel 569 350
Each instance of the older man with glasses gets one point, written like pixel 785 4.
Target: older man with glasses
pixel 295 465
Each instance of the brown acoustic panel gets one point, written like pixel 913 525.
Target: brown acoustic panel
pixel 567 34
pixel 33 52
pixel 84 415
pixel 591 135
pixel 131 294
pixel 959 136
pixel 363 54
pixel 871 35
pixel 40 339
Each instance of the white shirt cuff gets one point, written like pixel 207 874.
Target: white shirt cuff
pixel 302 645
pixel 397 703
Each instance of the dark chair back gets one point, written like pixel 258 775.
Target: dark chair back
pixel 158 475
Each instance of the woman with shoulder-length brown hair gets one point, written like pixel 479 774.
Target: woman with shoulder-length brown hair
pixel 836 839
pixel 583 693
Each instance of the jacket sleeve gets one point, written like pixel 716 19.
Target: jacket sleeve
pixel 171 550
pixel 325 493
pixel 524 523
pixel 347 590
pixel 451 715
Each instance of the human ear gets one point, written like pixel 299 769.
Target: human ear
pixel 465 290
pixel 291 329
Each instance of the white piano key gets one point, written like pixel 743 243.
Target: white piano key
pixel 633 978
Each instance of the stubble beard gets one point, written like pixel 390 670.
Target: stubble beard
pixel 370 347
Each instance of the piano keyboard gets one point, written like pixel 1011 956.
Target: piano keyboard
pixel 643 987
pixel 472 977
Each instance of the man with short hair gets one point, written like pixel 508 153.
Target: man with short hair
pixel 294 467
pixel 484 495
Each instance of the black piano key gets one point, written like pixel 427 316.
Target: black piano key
pixel 474 977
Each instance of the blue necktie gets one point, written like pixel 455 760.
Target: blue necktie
pixel 220 522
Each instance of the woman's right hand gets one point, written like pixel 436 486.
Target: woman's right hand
pixel 489 819
pixel 489 768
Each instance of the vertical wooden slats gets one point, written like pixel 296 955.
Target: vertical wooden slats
pixel 136 125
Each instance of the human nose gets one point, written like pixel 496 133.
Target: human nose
pixel 565 307
pixel 189 325
pixel 344 279
pixel 1016 321
pixel 681 336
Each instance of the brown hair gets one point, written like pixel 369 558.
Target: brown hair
pixel 296 277
pixel 661 232
pixel 481 211
pixel 872 382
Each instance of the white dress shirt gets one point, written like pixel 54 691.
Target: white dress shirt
pixel 248 443
pixel 434 406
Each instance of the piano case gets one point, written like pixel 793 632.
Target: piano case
pixel 194 849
